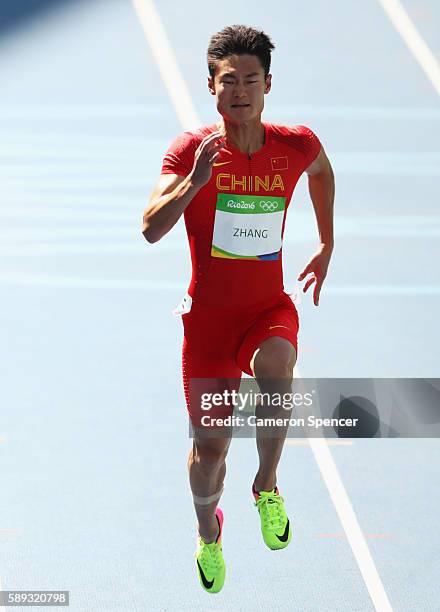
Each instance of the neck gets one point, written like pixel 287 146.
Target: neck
pixel 247 137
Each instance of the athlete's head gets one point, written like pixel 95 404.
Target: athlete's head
pixel 239 64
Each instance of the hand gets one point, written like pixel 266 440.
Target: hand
pixel 318 267
pixel 204 158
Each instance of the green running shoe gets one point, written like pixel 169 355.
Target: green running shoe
pixel 275 526
pixel 211 567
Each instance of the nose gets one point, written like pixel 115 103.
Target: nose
pixel 240 89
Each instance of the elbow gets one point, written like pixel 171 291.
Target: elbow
pixel 148 234
pixel 148 237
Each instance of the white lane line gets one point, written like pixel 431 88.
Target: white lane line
pixel 15 239
pixel 65 140
pixel 166 61
pixel 384 290
pixel 89 283
pixel 79 248
pixel 352 530
pixel 46 234
pixel 83 282
pixel 347 516
pixel 82 248
pixel 394 113
pixel 320 449
pixel 408 31
pixel 91 111
pixel 63 214
pixel 50 184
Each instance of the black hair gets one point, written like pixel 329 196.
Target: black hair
pixel 239 40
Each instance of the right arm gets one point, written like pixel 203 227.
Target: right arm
pixel 169 199
pixel 173 192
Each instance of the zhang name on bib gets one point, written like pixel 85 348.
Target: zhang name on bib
pixel 248 227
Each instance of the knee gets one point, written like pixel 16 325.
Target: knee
pixel 274 361
pixel 208 458
pixel 273 369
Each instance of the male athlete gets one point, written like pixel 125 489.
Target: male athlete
pixel 233 182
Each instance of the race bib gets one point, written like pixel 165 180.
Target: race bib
pixel 248 227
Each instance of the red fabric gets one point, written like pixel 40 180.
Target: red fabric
pixel 219 344
pixel 235 302
pixel 280 320
pixel 286 153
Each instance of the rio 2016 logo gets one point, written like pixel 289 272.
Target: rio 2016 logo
pixel 269 206
pixel 242 204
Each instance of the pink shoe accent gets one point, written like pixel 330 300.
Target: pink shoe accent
pixel 220 518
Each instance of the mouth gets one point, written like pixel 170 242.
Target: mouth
pixel 240 105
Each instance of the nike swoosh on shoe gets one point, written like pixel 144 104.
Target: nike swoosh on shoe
pixel 206 583
pixel 283 538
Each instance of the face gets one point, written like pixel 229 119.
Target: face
pixel 239 87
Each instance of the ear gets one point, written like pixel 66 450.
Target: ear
pixel 268 83
pixel 211 86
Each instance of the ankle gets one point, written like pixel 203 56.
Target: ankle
pixel 264 484
pixel 209 533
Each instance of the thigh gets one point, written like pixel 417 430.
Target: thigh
pixel 280 320
pixel 208 365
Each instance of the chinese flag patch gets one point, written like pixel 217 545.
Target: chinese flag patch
pixel 279 163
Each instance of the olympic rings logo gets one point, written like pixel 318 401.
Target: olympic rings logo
pixel 269 206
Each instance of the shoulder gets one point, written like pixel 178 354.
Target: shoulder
pixel 296 136
pixel 189 140
pixel 300 138
pixel 179 157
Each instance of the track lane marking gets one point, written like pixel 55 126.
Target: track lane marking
pixel 414 41
pixel 166 61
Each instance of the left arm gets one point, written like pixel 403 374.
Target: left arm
pixel 322 194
